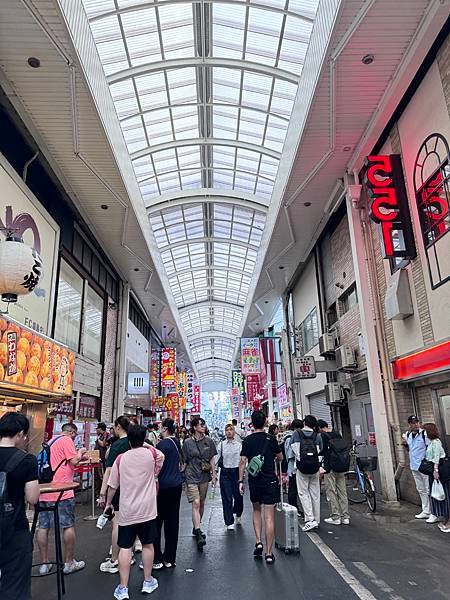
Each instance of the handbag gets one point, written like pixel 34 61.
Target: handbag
pixel 205 465
pixel 437 490
pixel 444 470
pixel 426 467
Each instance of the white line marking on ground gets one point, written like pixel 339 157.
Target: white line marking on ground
pixel 362 592
pixel 384 587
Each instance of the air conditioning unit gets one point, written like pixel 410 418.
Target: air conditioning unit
pixel 334 393
pixel 345 358
pixel 326 344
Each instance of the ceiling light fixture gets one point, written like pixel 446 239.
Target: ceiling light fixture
pixel 136 269
pixel 307 204
pixel 346 148
pixel 34 62
pixel 368 59
pixel 104 206
pixel 281 267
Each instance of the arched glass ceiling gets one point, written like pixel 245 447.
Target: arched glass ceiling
pixel 204 92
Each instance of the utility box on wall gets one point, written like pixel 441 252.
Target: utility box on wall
pixel 398 301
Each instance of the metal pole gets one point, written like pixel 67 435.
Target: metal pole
pixel 92 516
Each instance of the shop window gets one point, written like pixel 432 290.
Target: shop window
pixel 432 188
pixel 93 325
pixel 348 300
pixel 68 313
pixel 332 315
pixel 308 333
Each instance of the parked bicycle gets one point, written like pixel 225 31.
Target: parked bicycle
pixel 359 481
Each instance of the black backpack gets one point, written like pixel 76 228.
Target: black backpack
pixel 309 456
pixel 338 454
pixel 7 508
pixel 45 471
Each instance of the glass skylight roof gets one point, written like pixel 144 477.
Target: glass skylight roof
pixel 204 93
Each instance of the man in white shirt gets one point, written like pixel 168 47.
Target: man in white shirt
pixel 229 452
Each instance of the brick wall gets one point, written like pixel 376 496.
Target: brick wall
pixel 109 367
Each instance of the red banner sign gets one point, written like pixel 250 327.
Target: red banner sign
pixel 168 372
pixel 389 205
pixel 196 400
pixel 252 382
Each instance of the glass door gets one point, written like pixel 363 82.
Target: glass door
pixel 443 413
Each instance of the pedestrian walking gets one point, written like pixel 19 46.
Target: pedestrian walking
pixel 293 499
pixel 170 481
pixel 19 485
pixel 198 452
pixel 307 445
pixel 135 473
pixel 435 453
pixel 229 453
pixel 259 452
pixel 121 445
pixel 336 462
pixel 416 442
pixel 64 457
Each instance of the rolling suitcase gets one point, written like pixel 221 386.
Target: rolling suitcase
pixel 287 536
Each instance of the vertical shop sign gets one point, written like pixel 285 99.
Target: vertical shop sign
pixel 196 402
pixel 168 367
pixel 389 205
pixel 189 386
pixel 283 399
pixel 252 389
pixel 235 399
pixel 250 356
pixel 181 389
pixel 11 341
pixel 154 373
pixel 237 381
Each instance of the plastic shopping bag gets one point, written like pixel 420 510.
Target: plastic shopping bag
pixel 437 491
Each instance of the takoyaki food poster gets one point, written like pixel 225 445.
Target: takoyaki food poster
pixel 21 213
pixel 30 360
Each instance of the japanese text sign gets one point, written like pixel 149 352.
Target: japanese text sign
pixel 196 400
pixel 168 372
pixel 250 356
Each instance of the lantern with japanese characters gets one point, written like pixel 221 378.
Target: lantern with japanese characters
pixel 20 269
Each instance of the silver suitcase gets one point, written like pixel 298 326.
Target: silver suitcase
pixel 287 536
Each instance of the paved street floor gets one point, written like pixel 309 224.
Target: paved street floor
pixel 388 557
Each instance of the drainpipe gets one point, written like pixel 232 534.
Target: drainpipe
pixel 121 344
pixel 380 331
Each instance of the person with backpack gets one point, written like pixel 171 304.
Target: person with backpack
pixel 18 484
pixel 289 456
pixel 258 455
pixel 336 462
pixel 307 446
pixel 416 442
pixel 63 459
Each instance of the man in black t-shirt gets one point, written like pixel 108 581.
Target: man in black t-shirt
pixel 16 546
pixel 264 487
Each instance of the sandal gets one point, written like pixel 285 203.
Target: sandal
pixel 258 551
pixel 270 559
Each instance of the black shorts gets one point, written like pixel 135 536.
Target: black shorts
pixel 147 532
pixel 264 490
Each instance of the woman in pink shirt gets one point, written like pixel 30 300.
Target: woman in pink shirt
pixel 135 473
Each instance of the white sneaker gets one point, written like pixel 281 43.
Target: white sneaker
pixel 432 519
pixel 310 525
pixel 238 521
pixel 72 567
pixel 156 567
pixel 137 545
pixel 109 566
pixel 45 569
pixel 149 586
pixel 230 527
pixel 169 565
pixel 345 521
pixel 332 521
pixel 121 593
pixel 422 515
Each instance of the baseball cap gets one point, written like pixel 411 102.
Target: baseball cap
pixel 413 419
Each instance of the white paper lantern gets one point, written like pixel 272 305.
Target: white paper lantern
pixel 20 269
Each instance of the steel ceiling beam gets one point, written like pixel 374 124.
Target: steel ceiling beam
pixel 213 195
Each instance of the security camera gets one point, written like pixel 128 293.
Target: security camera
pixel 354 191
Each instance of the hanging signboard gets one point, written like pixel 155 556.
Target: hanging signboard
pixel 181 389
pixel 237 381
pixel 235 399
pixel 252 382
pixel 283 398
pixel 34 363
pixel 138 383
pixel 305 367
pixel 196 400
pixel 250 356
pixel 168 361
pixel 154 373
pixel 389 205
pixel 87 407
pixel 189 386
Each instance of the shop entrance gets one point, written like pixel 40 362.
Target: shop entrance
pixel 442 412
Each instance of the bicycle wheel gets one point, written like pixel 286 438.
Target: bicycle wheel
pixel 354 494
pixel 369 493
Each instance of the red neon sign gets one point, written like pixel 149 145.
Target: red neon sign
pixel 389 205
pixel 423 362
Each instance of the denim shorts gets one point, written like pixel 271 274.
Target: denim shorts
pixel 66 512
